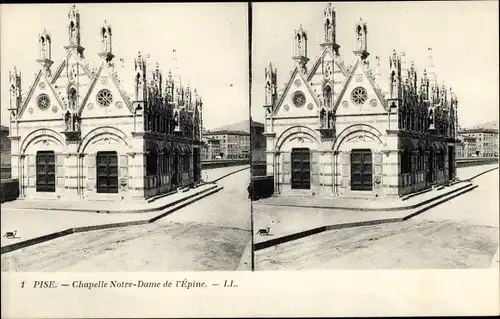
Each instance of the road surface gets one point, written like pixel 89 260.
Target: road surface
pixel 461 233
pixel 211 234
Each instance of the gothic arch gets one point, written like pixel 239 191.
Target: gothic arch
pixel 293 131
pixel 99 132
pixel 358 128
pixel 39 134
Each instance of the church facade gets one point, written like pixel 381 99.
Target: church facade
pixel 76 133
pixel 340 130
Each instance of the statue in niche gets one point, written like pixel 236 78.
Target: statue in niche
pixel 72 33
pixel 330 119
pixel 76 123
pixel 67 120
pixel 322 117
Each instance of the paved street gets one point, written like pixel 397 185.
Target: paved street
pixel 211 234
pixel 461 233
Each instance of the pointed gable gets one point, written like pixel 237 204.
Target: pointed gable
pixel 308 102
pixel 42 101
pixel 359 94
pixel 105 97
pixel 72 72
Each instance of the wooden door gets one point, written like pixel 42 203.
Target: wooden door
pixel 301 168
pixel 107 172
pixel 45 171
pixel 361 170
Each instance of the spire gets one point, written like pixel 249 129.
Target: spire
pixel 15 89
pixel 45 42
pixel 74 30
pixel 140 77
pixel 271 85
pixel 430 68
pixel 361 40
pixel 404 68
pixel 329 23
pixel 300 55
pixel 106 42
pixel 176 75
pixel 376 73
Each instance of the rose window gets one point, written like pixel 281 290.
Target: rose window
pixel 359 96
pixel 299 99
pixel 43 102
pixel 104 97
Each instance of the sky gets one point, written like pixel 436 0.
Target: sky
pixel 211 41
pixel 463 35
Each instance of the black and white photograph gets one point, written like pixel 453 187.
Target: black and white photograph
pixel 378 135
pixel 125 137
pixel 249 159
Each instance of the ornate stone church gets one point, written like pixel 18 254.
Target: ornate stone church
pixel 76 133
pixel 343 130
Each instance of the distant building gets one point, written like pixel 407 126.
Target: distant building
pixel 211 149
pixel 5 152
pixel 233 140
pixel 466 147
pixel 231 144
pixel 486 139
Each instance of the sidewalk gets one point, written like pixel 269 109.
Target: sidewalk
pixel 36 220
pixel 377 204
pixel 95 206
pixel 35 226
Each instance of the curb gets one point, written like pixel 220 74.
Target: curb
pixel 320 229
pixel 378 209
pixel 224 176
pixel 44 238
pixel 132 211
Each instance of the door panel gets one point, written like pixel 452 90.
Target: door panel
pixel 361 170
pixel 45 171
pixel 107 172
pixel 301 168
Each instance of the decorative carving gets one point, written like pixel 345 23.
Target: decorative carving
pixel 54 109
pixel 373 103
pixel 31 110
pixel 43 102
pixel 41 85
pixel 345 104
pixel 298 82
pixel 286 107
pixel 359 95
pixel 310 106
pixel 299 99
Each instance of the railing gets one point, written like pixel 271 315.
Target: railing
pixel 224 163
pixel 475 161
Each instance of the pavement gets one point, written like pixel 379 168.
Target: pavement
pixel 294 218
pixel 37 221
pixel 211 234
pixel 462 233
